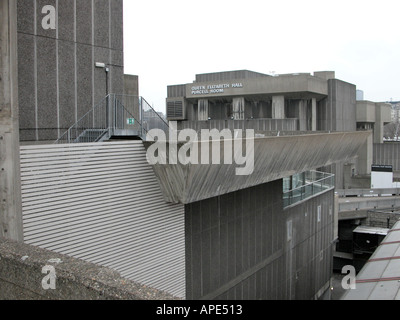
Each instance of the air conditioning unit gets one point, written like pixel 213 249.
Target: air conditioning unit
pixel 176 109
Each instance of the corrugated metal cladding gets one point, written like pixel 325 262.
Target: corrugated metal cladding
pixel 102 203
pixel 387 154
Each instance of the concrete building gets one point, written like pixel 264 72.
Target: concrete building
pixel 59 44
pixel 283 103
pixel 289 102
pixel 292 102
pixel 196 231
pixel 360 95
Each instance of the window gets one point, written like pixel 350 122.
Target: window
pixel 319 213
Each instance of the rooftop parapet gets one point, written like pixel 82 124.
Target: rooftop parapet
pixel 26 271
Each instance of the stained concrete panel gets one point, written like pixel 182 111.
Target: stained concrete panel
pixel 47 88
pixel 25 16
pixel 84 75
pixel 66 20
pixel 84 21
pixel 102 23
pixel 117 80
pixel 225 250
pixel 67 114
pixel 117 39
pixel 26 86
pixel 117 58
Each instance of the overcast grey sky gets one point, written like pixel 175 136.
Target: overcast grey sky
pixel 170 41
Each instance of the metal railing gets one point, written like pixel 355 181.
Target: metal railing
pixel 115 115
pixel 314 182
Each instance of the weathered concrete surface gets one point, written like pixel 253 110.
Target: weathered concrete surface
pixel 274 158
pixel 10 189
pixel 290 85
pixel 21 277
pixel 367 203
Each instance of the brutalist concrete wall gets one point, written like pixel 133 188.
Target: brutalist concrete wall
pixel 343 105
pixel 235 245
pixel 31 273
pixel 384 219
pixel 387 154
pixel 58 80
pixel 244 245
pixel 309 246
pixel 338 112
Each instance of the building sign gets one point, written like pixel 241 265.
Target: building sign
pixel 214 88
pixel 382 168
pixel 130 121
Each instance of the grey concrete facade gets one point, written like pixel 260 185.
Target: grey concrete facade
pixel 275 157
pixel 58 80
pixel 373 116
pixel 299 102
pixel 318 102
pixel 244 245
pixel 387 154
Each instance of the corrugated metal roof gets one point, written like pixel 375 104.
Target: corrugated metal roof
pixel 379 279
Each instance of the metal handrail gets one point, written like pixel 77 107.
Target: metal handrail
pixel 155 112
pixel 327 176
pixel 314 187
pixel 67 134
pixel 109 115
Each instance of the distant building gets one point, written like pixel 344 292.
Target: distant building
pixel 289 102
pixel 395 111
pixel 360 95
pixel 292 102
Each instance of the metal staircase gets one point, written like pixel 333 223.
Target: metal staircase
pixel 115 116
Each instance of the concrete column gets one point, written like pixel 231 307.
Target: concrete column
pixel 365 157
pixel 238 108
pixel 278 107
pixel 378 126
pixel 10 180
pixel 203 114
pixel 314 115
pixel 302 115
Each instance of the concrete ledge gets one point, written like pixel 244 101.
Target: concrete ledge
pixel 274 158
pixel 21 278
pixel 368 203
pixel 351 215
